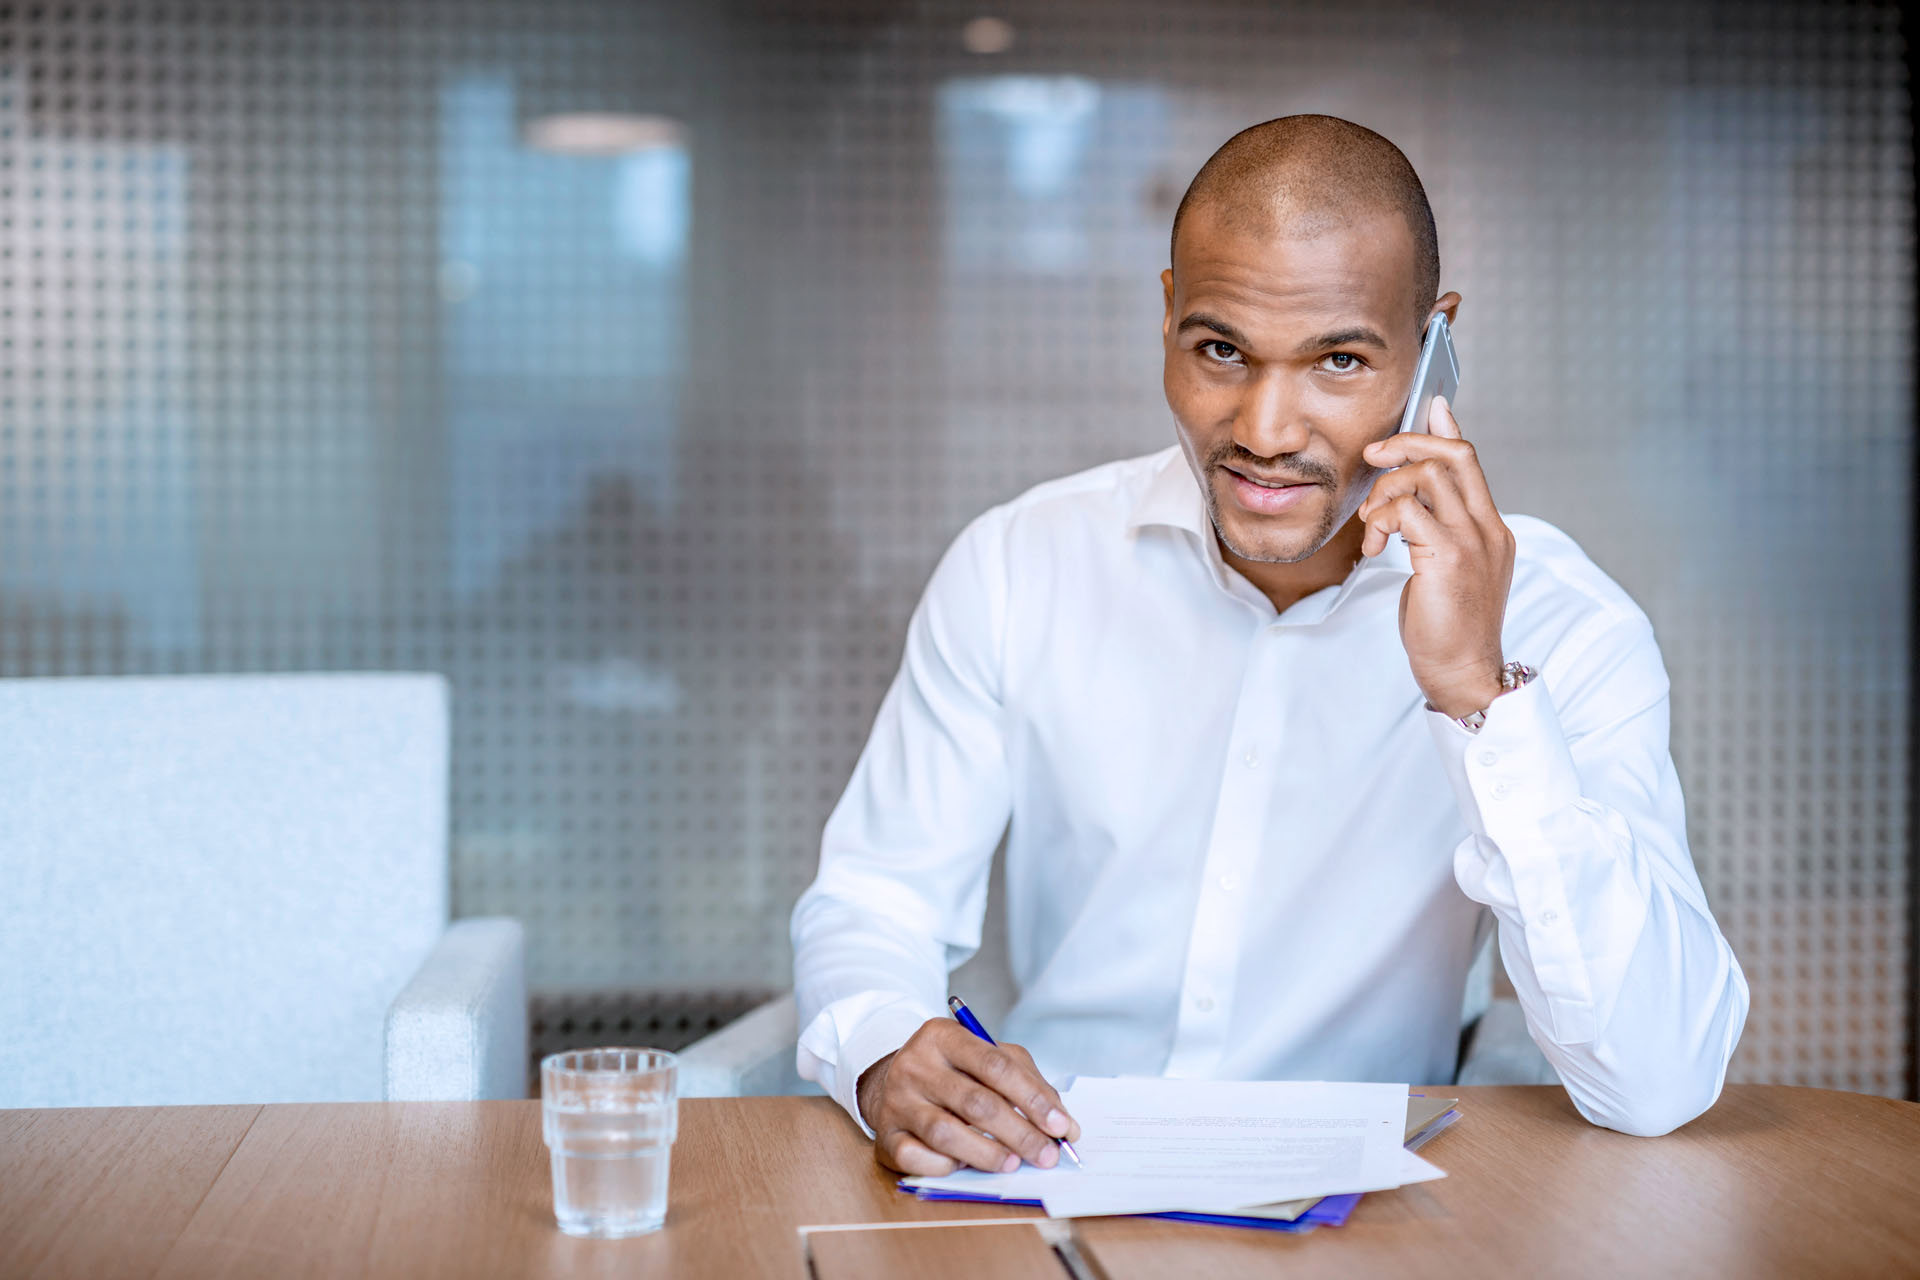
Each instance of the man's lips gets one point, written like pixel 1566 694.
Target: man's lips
pixel 1267 495
pixel 1270 482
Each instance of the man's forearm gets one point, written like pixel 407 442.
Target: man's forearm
pixel 1647 1050
pixel 862 985
pixel 1628 985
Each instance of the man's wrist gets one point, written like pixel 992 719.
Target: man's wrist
pixel 867 1090
pixel 1476 694
pixel 1513 675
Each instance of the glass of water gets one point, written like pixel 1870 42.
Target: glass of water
pixel 610 1117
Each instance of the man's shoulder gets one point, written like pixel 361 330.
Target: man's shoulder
pixel 1091 502
pixel 1077 520
pixel 1561 601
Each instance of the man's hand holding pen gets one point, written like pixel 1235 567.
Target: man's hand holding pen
pixel 933 1103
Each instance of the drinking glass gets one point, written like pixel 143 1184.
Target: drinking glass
pixel 610 1117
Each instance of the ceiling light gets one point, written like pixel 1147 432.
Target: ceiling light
pixel 603 133
pixel 987 35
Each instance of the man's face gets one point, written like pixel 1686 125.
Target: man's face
pixel 1284 359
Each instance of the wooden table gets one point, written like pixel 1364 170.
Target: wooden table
pixel 1773 1181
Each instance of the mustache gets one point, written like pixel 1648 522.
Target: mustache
pixel 1292 467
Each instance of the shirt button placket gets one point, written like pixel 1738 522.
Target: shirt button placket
pixel 1213 952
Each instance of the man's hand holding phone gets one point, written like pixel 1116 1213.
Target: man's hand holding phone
pixel 1436 497
pixel 947 1098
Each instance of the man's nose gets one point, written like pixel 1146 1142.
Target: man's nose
pixel 1270 421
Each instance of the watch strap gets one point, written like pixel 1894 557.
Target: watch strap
pixel 1512 676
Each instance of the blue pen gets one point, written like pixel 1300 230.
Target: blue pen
pixel 964 1016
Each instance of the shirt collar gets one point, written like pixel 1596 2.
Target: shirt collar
pixel 1172 498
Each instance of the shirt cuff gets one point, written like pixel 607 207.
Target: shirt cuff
pixel 1515 771
pixel 852 1034
pixel 1509 780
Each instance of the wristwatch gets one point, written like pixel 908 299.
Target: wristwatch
pixel 1512 676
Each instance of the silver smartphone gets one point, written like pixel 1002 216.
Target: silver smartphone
pixel 1438 374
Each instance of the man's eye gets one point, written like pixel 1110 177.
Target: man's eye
pixel 1215 348
pixel 1344 361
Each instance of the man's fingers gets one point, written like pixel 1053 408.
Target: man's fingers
pixel 904 1153
pixel 1009 1071
pixel 1432 483
pixel 1450 453
pixel 1417 446
pixel 985 1109
pixel 949 1135
pixel 1407 516
pixel 1012 1074
pixel 1468 473
pixel 1046 1109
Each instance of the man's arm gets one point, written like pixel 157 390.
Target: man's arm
pixel 1579 845
pixel 901 892
pixel 1579 834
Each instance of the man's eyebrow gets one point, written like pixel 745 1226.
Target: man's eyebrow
pixel 1353 335
pixel 1201 320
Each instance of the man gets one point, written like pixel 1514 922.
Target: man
pixel 1272 721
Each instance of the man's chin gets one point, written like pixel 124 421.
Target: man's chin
pixel 1270 540
pixel 1270 550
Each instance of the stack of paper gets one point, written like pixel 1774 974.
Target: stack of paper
pixel 1286 1153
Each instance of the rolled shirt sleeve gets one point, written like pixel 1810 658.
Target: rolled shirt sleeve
pixel 1577 841
pixel 901 891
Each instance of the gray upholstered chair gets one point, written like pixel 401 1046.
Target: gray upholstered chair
pixel 234 889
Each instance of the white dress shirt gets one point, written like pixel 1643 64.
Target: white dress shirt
pixel 1238 846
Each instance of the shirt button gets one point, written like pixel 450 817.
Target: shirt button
pixel 1227 883
pixel 1203 1003
pixel 1501 791
pixel 1252 757
pixel 1548 917
pixel 1489 757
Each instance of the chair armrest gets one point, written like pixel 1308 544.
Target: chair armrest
pixel 458 1031
pixel 1502 1051
pixel 751 1056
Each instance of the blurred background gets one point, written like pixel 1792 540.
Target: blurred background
pixel 632 363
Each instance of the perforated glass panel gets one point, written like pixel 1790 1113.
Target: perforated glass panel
pixel 310 358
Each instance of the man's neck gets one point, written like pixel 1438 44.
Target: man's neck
pixel 1286 584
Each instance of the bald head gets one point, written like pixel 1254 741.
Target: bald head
pixel 1301 176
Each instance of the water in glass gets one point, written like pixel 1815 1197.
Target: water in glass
pixel 609 1171
pixel 610 1120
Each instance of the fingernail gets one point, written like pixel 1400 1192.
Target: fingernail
pixel 1049 1158
pixel 1057 1121
pixel 1010 1164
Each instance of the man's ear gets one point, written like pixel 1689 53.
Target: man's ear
pixel 1166 321
pixel 1448 302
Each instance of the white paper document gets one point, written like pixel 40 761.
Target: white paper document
pixel 1212 1146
